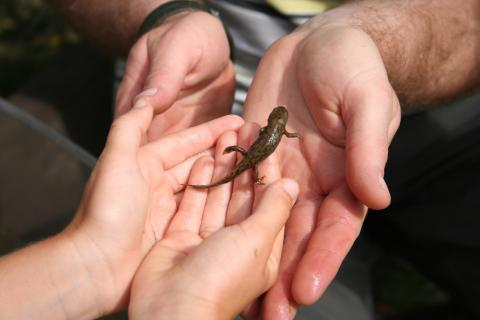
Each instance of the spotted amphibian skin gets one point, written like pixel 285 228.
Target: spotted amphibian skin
pixel 265 145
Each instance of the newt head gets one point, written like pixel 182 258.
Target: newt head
pixel 278 115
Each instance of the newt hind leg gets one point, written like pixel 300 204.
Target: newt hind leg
pixel 235 148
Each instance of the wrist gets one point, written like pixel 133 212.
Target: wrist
pixel 54 281
pixel 168 9
pixel 165 11
pixel 80 277
pixel 402 37
pixel 107 272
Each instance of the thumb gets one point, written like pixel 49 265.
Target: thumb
pixel 128 132
pixel 371 119
pixel 171 59
pixel 271 214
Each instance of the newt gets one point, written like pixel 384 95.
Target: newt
pixel 268 139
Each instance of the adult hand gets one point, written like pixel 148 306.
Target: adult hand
pixel 183 68
pixel 332 79
pixel 131 197
pixel 204 270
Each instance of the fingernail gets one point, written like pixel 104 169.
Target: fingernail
pixel 148 92
pixel 140 104
pixel 291 187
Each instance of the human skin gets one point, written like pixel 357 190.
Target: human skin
pixel 336 73
pixel 189 83
pixel 86 271
pixel 204 270
pixel 365 54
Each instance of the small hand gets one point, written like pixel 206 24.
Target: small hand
pixel 204 270
pixel 131 197
pixel 183 69
pixel 334 84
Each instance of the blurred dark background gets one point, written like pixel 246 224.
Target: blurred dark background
pixel 48 71
pixel 43 59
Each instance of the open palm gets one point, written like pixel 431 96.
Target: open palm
pixel 134 190
pixel 201 268
pixel 335 87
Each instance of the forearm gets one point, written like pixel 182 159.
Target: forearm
pixel 47 280
pixel 112 25
pixel 429 47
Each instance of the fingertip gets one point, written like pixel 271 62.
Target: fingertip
pixel 314 274
pixel 278 303
pixel 306 287
pixel 225 123
pixel 144 97
pixel 158 98
pixel 291 187
pixel 128 131
pixel 140 104
pixel 143 108
pixel 369 186
pixel 382 185
pixel 147 93
pixel 236 121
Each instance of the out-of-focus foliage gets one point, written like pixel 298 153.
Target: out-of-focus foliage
pixel 30 35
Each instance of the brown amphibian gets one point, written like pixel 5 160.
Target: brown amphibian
pixel 266 143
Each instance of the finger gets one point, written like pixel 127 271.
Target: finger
pixel 129 131
pixel 264 227
pixel 189 215
pixel 183 57
pixel 338 224
pixel 269 170
pixel 241 202
pixel 172 57
pixel 279 303
pixel 271 214
pixel 134 75
pixel 175 148
pixel 368 119
pixel 219 197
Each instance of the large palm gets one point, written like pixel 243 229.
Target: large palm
pixel 335 87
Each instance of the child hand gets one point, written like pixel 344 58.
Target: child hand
pixel 203 270
pixel 131 197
